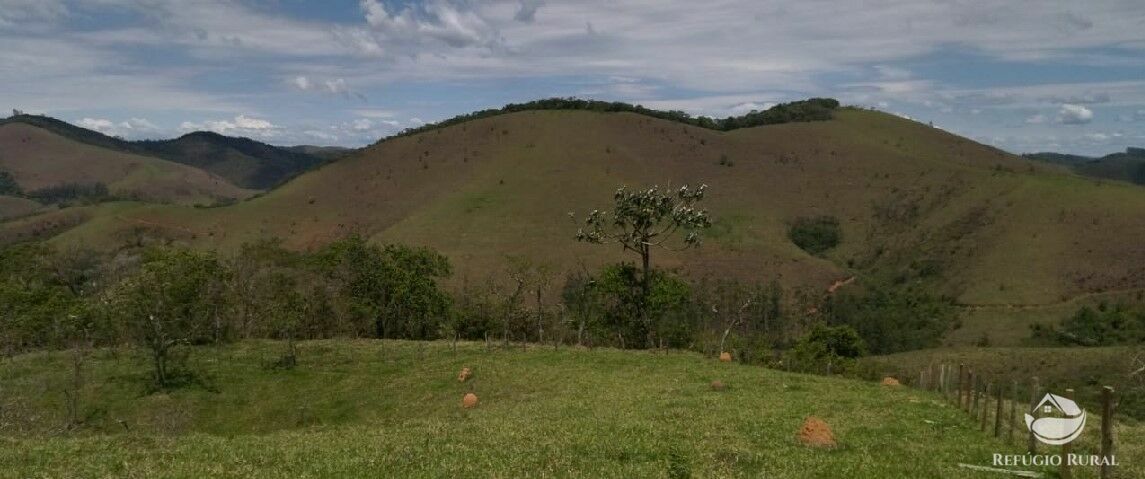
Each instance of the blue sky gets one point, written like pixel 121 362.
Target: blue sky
pixel 1024 75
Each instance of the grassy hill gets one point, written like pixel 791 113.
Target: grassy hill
pixel 241 161
pixel 38 158
pixel 916 204
pixel 368 408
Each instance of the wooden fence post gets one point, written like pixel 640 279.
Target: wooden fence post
pixel 1064 470
pixel 1106 431
pixel 998 411
pixel 961 382
pixel 1031 442
pixel 985 406
pixel 1013 410
pixel 977 386
pixel 942 380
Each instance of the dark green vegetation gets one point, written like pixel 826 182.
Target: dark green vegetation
pixel 8 185
pixel 241 161
pixel 391 408
pixel 161 297
pixel 327 153
pixel 814 109
pixel 1126 166
pixel 815 235
pixel 1104 325
pixel 71 193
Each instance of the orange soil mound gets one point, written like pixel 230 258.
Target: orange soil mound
pixel 889 381
pixel 466 373
pixel 816 433
pixel 725 357
pixel 718 385
pixel 469 401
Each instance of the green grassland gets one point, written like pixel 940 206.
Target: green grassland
pixel 392 408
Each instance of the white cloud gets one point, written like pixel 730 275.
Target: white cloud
pixel 301 82
pixel 21 12
pixel 336 86
pixel 750 106
pixel 240 125
pixel 434 21
pixel 363 124
pixel 133 128
pixel 1071 114
pixel 1036 119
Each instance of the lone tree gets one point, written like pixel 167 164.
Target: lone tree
pixel 646 219
pixel 173 301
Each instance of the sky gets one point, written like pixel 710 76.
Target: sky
pixel 1023 75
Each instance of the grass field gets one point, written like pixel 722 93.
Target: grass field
pixel 392 409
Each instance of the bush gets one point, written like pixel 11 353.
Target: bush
pixel 816 234
pixel 824 348
pixel 1104 326
pixel 8 185
pixel 893 319
pixel 613 295
pixel 69 192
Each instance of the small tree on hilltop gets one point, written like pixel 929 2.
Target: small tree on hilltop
pixel 642 220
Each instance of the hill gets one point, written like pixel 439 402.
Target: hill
pixel 364 408
pixel 241 161
pixel 45 164
pixel 915 204
pixel 1128 166
pixel 326 153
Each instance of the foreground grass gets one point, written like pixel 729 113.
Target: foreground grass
pixel 370 408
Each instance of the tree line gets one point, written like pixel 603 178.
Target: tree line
pixel 813 109
pixel 160 298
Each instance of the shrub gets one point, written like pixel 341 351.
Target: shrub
pixel 816 234
pixel 8 185
pixel 1102 326
pixel 893 319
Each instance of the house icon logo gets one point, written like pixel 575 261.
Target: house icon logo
pixel 1059 420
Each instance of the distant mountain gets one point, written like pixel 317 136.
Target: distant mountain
pixel 38 163
pixel 1059 158
pixel 241 161
pixel 1127 166
pixel 328 153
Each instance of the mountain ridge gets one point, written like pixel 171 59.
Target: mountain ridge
pixel 245 162
pixel 916 204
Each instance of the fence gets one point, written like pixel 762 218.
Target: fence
pixel 979 396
